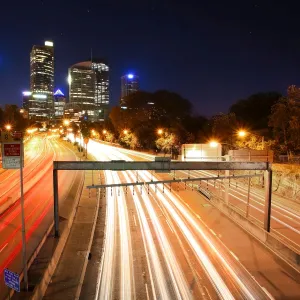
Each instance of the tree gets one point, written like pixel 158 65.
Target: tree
pixel 11 115
pixel 224 127
pixel 285 121
pixel 167 142
pixel 129 140
pixel 254 111
pixel 254 142
pixel 145 112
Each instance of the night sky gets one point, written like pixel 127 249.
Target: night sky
pixel 211 52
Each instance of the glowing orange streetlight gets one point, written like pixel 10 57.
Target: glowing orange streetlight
pixel 242 133
pixel 125 131
pixel 8 127
pixel 160 131
pixel 66 122
pixel 104 131
pixel 213 144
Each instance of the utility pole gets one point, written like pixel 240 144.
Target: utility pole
pixel 23 218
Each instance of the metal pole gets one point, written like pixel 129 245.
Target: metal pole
pixel 263 142
pixel 55 193
pixel 23 218
pixel 268 199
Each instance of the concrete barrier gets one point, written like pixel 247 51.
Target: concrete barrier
pixel 41 288
pixel 272 242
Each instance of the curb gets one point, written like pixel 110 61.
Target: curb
pixel 77 296
pixel 41 288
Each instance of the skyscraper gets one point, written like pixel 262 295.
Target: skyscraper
pixel 129 85
pixel 59 104
pixel 41 82
pixel 89 89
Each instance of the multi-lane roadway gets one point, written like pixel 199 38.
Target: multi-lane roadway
pixel 154 248
pixel 40 151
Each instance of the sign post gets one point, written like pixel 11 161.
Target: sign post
pixel 23 220
pixel 13 158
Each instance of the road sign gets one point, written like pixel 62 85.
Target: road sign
pixel 11 155
pixel 12 280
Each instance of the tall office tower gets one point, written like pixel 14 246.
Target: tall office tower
pixel 129 85
pixel 26 100
pixel 89 89
pixel 41 82
pixel 59 104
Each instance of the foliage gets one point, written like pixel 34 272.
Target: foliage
pixel 129 140
pixel 146 112
pixel 285 121
pixel 167 142
pixel 85 128
pixel 11 115
pixel 223 127
pixel 254 142
pixel 255 110
pixel 109 137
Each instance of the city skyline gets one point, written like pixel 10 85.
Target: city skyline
pixel 211 54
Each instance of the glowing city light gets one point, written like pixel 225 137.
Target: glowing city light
pixel 213 144
pixel 130 76
pixel 58 93
pixel 26 93
pixel 48 43
pixel 39 96
pixel 242 133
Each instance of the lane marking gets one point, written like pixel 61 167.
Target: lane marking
pixel 268 293
pixel 169 226
pixel 134 221
pixel 234 255
pixel 213 232
pixel 3 247
pixel 147 292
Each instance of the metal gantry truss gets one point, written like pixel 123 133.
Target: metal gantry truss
pixel 165 165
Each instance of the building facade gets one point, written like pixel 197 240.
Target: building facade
pixel 59 104
pixel 89 89
pixel 41 82
pixel 129 85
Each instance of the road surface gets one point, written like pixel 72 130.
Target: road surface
pixel 40 152
pixel 155 248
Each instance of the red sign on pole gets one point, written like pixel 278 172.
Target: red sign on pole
pixel 12 149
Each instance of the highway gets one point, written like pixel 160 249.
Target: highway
pixel 285 215
pixel 285 220
pixel 40 151
pixel 155 248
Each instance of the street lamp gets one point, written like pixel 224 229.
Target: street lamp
pixel 242 133
pixel 160 131
pixel 125 131
pixel 66 122
pixel 8 127
pixel 104 131
pixel 213 144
